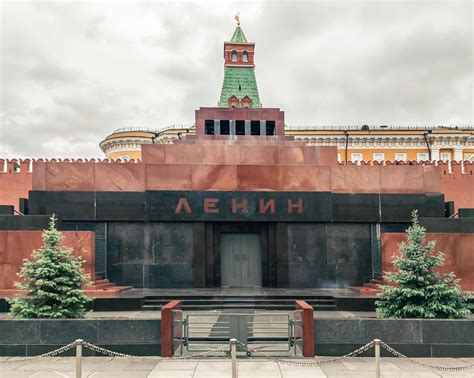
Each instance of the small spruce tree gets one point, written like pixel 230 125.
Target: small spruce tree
pixel 420 291
pixel 54 279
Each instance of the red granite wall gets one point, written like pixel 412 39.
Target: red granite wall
pixel 458 250
pixel 458 184
pixel 14 185
pixel 18 245
pixel 238 165
pixel 186 176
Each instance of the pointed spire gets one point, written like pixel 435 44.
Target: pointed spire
pixel 239 36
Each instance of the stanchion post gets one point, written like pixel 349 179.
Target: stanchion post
pixel 377 358
pixel 79 358
pixel 233 354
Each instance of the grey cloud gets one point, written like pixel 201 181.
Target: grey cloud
pixel 151 64
pixel 50 74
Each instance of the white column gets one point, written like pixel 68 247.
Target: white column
pixel 458 154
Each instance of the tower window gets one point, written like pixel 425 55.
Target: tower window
pixel 270 128
pixel 225 127
pixel 240 127
pixel 234 56
pixel 254 127
pixel 245 56
pixel 209 126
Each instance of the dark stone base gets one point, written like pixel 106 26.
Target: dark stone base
pixel 412 337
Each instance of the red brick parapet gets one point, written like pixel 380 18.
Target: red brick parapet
pixel 308 327
pixel 168 329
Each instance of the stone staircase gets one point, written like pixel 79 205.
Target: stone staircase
pixel 103 287
pixel 209 303
pixel 371 287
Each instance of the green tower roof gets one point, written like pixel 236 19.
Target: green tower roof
pixel 239 36
pixel 239 82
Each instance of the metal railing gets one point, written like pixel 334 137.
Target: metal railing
pixel 376 127
pixel 230 350
pixel 193 331
pixel 151 130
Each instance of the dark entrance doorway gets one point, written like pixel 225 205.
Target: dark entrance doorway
pixel 241 260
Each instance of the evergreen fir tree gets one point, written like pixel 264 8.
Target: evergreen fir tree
pixel 54 280
pixel 420 291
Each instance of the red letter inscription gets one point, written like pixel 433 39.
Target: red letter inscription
pixel 264 207
pixel 210 205
pixel 242 206
pixel 298 205
pixel 183 203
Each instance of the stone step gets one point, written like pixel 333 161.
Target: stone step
pixel 364 290
pixel 101 281
pixel 269 306
pixel 240 301
pixel 382 282
pixel 100 286
pixel 372 285
pixel 113 290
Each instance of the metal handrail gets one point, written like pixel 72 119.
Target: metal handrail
pixel 156 131
pixel 378 128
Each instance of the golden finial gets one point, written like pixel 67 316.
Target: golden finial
pixel 237 18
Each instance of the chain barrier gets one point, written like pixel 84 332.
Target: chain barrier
pixel 111 353
pixel 44 355
pixel 428 366
pixel 250 352
pixel 328 361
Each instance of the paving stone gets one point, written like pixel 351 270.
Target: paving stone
pixel 176 365
pixel 171 374
pixel 119 374
pixel 410 374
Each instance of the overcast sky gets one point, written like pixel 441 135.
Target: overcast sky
pixel 73 71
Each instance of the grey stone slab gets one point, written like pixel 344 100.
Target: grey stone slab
pixel 340 331
pixel 129 331
pixel 394 331
pixel 448 331
pixel 68 330
pixel 17 331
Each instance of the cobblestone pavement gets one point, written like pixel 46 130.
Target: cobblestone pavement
pixel 98 367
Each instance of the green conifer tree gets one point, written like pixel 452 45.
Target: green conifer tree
pixel 420 291
pixel 54 280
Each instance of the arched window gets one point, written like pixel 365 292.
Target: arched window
pixel 245 56
pixel 234 56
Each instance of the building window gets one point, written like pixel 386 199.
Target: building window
pixel 234 56
pixel 240 127
pixel 124 157
pixel 356 156
pixel 254 127
pixel 245 56
pixel 422 156
pixel 400 156
pixel 378 156
pixel 270 128
pixel 445 156
pixel 225 127
pixel 209 126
